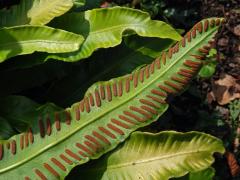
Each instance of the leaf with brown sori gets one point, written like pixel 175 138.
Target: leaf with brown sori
pixel 159 156
pixel 107 114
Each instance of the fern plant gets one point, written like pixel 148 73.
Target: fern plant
pixel 54 142
pixel 108 113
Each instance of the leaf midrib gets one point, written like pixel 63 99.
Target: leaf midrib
pixel 37 41
pixel 149 160
pixel 110 109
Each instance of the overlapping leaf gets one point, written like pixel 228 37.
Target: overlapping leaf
pixel 156 156
pixel 27 39
pixel 35 12
pixel 104 28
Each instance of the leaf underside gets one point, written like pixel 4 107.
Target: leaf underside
pixel 156 156
pixel 107 114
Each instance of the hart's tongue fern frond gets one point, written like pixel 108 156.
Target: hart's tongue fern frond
pixel 108 113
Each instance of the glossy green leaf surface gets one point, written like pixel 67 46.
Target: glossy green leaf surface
pixel 106 115
pixel 35 12
pixel 156 156
pixel 28 39
pixel 105 27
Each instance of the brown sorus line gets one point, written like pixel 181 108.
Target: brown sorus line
pixel 107 132
pixel 72 154
pixel 40 174
pixel 120 88
pixel 149 103
pixel 65 159
pixel 58 163
pixel 57 122
pixel 84 148
pixel 91 100
pixel 51 170
pixel 102 138
pixel 68 117
pixel 49 128
pixel 119 123
pixel 114 128
pixel 31 137
pixel 97 97
pixel 114 87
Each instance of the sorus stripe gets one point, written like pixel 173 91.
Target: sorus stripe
pixel 166 89
pixel 102 92
pixel 124 118
pixel 31 137
pixel 114 86
pixel 156 99
pixel 102 138
pixel 49 128
pixel 84 148
pixel 58 163
pixel 65 159
pixel 92 146
pixel 119 123
pixel 97 97
pixel 91 100
pixel 114 128
pixel 86 102
pixel 107 132
pixel 149 103
pixel 72 154
pixel 51 170
pixel 57 122
pixel 40 174
pixel 140 111
pixel 147 108
pixel 133 116
pixel 120 88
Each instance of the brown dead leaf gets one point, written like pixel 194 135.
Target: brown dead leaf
pixel 232 163
pixel 224 90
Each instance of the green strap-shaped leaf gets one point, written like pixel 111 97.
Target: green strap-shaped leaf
pixel 104 28
pixel 35 12
pixel 107 114
pixel 27 39
pixel 156 156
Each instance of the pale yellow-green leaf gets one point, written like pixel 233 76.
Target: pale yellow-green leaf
pixel 44 11
pixel 155 157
